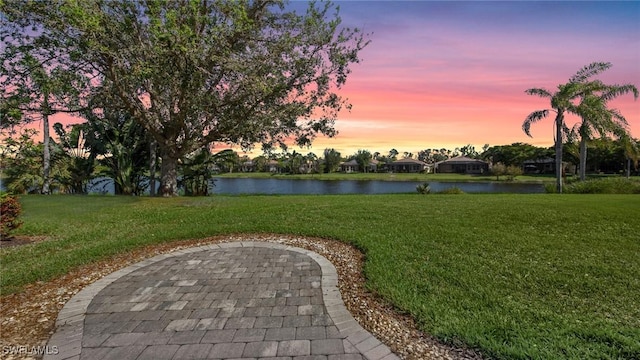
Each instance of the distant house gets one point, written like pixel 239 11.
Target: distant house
pixel 309 167
pixel 462 165
pixel 352 166
pixel 248 166
pixel 407 166
pixel 546 166
pixel 273 166
pixel 539 166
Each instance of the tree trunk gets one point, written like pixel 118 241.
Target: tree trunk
pixel 169 174
pixel 152 167
pixel 558 144
pixel 583 158
pixel 46 154
pixel 628 168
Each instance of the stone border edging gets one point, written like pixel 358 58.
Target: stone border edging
pixel 69 325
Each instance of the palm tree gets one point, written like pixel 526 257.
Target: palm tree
pixel 631 151
pixel 598 118
pixel 332 160
pixel 561 102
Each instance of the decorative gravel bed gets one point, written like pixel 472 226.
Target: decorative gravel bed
pixel 28 318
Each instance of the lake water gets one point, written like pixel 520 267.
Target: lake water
pixel 234 186
pixel 237 186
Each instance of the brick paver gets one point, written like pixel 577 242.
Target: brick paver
pixel 245 300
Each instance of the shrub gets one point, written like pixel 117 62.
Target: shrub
pixel 550 188
pixel 10 210
pixel 423 188
pixel 611 185
pixel 498 170
pixel 512 172
pixel 452 190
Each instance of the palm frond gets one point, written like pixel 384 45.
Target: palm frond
pixel 532 118
pixel 566 132
pixel 630 147
pixel 539 92
pixel 574 133
pixel 589 71
pixel 614 91
pixel 596 117
pixel 620 120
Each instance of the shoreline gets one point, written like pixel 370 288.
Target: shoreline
pixel 524 179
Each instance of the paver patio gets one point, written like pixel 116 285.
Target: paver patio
pixel 243 300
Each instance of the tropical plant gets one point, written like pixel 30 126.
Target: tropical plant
pixel 423 189
pixel 76 161
pixel 226 160
pixel 121 148
pixel 561 103
pixel 197 170
pixel 332 159
pixel 432 156
pixel 293 161
pixel 310 163
pixel 393 155
pixel 598 118
pixel 468 151
pixel 260 163
pixel 363 158
pixel 631 151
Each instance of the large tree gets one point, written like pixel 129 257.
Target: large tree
pixel 561 103
pixel 198 72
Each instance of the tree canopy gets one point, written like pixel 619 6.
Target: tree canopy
pixel 198 72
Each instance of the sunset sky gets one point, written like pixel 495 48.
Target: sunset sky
pixel 447 74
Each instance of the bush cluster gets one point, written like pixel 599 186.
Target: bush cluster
pixel 10 210
pixel 511 172
pixel 612 185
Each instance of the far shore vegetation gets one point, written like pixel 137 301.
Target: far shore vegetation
pixel 388 177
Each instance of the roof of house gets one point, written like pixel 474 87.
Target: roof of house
pixel 540 161
pixel 461 160
pixel 353 162
pixel 409 161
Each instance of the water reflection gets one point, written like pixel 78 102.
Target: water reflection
pixel 234 186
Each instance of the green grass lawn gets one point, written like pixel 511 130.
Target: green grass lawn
pixel 389 177
pixel 537 276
